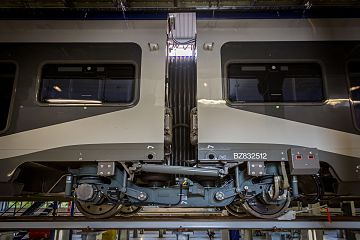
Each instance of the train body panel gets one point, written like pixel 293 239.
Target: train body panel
pixel 228 127
pixel 64 132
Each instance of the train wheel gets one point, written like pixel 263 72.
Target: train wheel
pixel 91 210
pixel 236 208
pixel 257 208
pixel 129 210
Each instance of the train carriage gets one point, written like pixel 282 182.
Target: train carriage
pixel 247 114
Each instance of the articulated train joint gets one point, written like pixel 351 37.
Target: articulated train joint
pixel 263 188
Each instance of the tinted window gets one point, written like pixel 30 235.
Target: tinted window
pixel 7 78
pixel 354 77
pixel 87 83
pixel 277 82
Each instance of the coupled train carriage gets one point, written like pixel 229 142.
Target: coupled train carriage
pixel 258 114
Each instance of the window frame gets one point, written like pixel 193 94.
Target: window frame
pixel 13 95
pixel 352 103
pixel 226 86
pixel 133 103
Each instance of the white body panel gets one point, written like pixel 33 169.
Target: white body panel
pixel 140 124
pixel 219 123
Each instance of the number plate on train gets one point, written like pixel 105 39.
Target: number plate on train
pixel 250 156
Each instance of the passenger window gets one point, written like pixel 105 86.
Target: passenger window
pixel 354 78
pixel 88 83
pixel 7 79
pixel 275 82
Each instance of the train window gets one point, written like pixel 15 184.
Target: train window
pixel 354 78
pixel 274 82
pixel 87 83
pixel 7 79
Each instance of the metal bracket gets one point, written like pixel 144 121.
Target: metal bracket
pixel 131 175
pixel 222 195
pixel 256 168
pixel 134 168
pixel 303 161
pixel 285 183
pixel 141 196
pixel 196 189
pixel 106 169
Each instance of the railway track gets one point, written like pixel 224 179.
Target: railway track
pixel 177 222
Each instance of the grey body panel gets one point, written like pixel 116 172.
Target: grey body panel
pixel 29 114
pixel 333 57
pixel 82 154
pixel 276 127
pixel 31 56
pixel 79 133
pixel 345 166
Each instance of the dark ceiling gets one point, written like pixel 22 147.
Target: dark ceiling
pixel 147 9
pixel 174 4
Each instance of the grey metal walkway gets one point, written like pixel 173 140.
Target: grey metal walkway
pixel 196 223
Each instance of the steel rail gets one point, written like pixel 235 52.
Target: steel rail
pixel 196 223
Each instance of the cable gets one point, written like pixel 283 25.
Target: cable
pixel 313 200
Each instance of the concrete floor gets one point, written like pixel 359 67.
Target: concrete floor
pixel 219 235
pixel 154 235
pixel 200 235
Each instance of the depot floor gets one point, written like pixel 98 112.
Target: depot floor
pixel 223 235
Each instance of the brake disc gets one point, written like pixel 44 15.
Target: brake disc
pixel 129 210
pixel 258 208
pixel 104 210
pixel 236 208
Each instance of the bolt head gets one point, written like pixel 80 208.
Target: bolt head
pixel 142 196
pixel 219 196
